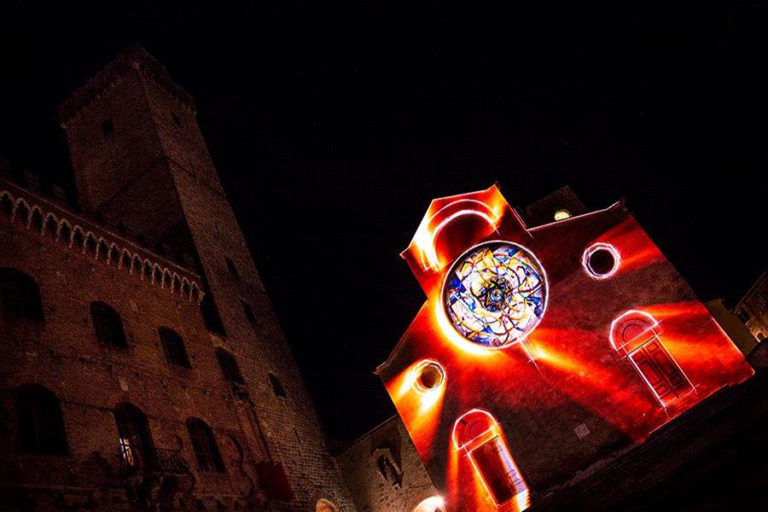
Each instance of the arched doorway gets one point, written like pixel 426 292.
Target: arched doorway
pixel 478 435
pixel 635 335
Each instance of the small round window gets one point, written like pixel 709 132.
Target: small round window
pixel 429 375
pixel 495 294
pixel 562 214
pixel 601 260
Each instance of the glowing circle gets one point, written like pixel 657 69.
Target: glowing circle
pixel 495 294
pixel 562 214
pixel 429 375
pixel 601 260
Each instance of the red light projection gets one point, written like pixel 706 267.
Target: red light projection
pixel 477 434
pixel 624 347
pixel 635 335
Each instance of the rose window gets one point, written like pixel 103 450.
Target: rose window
pixel 495 294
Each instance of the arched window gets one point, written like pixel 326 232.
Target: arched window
pixel 19 296
pixel 387 467
pixel 134 439
pixel 204 444
pixel 635 335
pixel 211 316
pixel 277 386
pixel 248 312
pixel 173 346
pixel 40 422
pixel 229 366
pixel 108 325
pixel 231 266
pixel 478 435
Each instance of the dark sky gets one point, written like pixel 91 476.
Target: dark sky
pixel 333 127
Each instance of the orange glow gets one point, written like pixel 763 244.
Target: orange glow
pixel 471 433
pixel 570 370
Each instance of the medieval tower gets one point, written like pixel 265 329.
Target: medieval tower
pixel 142 364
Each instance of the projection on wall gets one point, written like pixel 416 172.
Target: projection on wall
pixel 541 350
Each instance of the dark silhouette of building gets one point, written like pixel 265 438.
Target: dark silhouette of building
pixel 142 365
pixel 752 309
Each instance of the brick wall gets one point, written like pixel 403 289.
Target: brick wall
pixel 371 490
pixel 152 173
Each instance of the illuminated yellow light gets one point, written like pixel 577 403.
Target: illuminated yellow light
pixel 562 214
pixel 431 504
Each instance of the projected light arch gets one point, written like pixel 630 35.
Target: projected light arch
pixel 601 261
pixel 478 435
pixel 495 294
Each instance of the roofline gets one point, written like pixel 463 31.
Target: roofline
pixel 368 433
pixel 618 204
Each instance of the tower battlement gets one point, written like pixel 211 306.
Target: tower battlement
pixel 133 58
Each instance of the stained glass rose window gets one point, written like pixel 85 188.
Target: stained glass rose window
pixel 495 294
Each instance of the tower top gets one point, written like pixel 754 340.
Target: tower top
pixel 133 57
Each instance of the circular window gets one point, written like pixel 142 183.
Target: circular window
pixel 430 375
pixel 495 294
pixel 601 260
pixel 562 214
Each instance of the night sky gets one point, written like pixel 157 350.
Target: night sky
pixel 333 127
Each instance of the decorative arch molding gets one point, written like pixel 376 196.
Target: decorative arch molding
pixel 636 335
pixel 82 239
pixel 478 436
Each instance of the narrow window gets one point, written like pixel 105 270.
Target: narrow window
pixel 108 325
pixel 229 366
pixel 19 296
pixel 134 440
pixel 277 386
pixel 744 315
pixel 211 316
pixel 6 206
pixel 206 450
pixel 388 470
pixel 231 266
pixel 248 312
pixel 173 346
pixel 40 422
pixel 107 127
pixel 274 481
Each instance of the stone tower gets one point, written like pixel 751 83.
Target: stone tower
pixel 141 162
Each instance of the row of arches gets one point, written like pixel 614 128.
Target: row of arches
pixel 41 431
pixel 74 236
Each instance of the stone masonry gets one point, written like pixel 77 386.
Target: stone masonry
pixel 155 238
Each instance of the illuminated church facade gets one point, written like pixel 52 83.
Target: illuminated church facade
pixel 545 347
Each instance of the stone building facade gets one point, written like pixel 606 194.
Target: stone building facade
pixel 752 309
pixel 142 365
pixel 385 474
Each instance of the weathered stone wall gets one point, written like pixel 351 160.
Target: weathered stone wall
pixel 374 491
pixel 153 174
